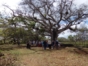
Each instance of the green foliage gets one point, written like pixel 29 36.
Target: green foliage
pixel 19 28
pixel 71 38
pixel 62 39
pixel 32 24
pixel 42 30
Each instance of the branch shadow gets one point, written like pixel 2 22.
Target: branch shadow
pixel 80 51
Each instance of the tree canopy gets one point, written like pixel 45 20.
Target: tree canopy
pixel 58 14
pixel 39 17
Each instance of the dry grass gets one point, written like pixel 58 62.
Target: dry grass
pixel 40 57
pixel 8 60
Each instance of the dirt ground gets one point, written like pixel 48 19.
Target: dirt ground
pixel 37 56
pixel 61 57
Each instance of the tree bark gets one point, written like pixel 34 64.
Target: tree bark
pixel 54 35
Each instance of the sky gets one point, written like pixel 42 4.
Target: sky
pixel 14 4
pixel 81 1
pixel 11 3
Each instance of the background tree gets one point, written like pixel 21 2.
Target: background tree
pixel 71 38
pixel 82 36
pixel 16 28
pixel 3 25
pixel 62 39
pixel 55 16
pixel 82 33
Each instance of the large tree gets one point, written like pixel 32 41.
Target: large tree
pixel 55 16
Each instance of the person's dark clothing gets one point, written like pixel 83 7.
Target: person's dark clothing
pixel 28 45
pixel 44 45
pixel 56 44
pixel 18 43
pixel 49 46
pixel 52 44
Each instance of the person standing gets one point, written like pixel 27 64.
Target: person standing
pixel 18 42
pixel 56 44
pixel 28 45
pixel 49 44
pixel 45 44
pixel 53 44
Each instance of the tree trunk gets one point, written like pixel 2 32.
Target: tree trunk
pixel 54 35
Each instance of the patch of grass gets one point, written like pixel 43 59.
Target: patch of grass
pixel 54 58
pixel 78 43
pixel 39 57
pixel 7 60
pixel 20 52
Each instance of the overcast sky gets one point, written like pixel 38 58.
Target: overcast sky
pixel 11 3
pixel 14 4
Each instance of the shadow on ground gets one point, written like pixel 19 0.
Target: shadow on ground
pixel 81 51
